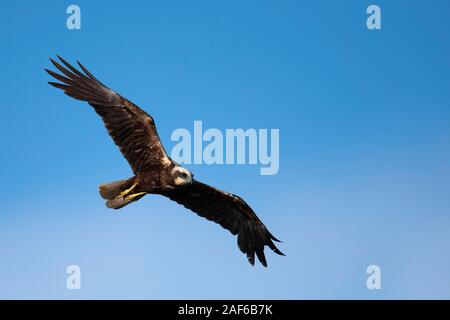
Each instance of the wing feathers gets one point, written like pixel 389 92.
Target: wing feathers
pixel 130 127
pixel 68 65
pixel 232 213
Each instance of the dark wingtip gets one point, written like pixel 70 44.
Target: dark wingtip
pixel 58 85
pixel 275 249
pixel 82 67
pixel 61 59
pixel 273 238
pixel 54 62
pixel 86 71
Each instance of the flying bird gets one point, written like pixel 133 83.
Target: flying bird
pixel 134 132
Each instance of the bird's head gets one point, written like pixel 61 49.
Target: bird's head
pixel 181 176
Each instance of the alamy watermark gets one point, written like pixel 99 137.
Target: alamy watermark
pixel 373 21
pixel 234 146
pixel 73 281
pixel 74 19
pixel 374 279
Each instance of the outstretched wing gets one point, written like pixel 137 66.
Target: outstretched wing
pixel 131 128
pixel 232 213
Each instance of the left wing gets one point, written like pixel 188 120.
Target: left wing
pixel 232 213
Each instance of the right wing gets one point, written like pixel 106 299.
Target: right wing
pixel 131 128
pixel 232 213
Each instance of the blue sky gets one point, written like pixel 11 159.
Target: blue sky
pixel 364 119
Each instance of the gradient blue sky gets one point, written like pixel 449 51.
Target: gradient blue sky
pixel 364 119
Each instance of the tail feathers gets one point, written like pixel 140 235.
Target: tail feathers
pixel 120 202
pixel 111 190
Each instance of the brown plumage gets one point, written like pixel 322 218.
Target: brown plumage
pixel 134 132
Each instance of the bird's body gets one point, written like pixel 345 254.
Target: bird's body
pixel 157 180
pixel 134 132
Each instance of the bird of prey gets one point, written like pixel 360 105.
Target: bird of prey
pixel 134 132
